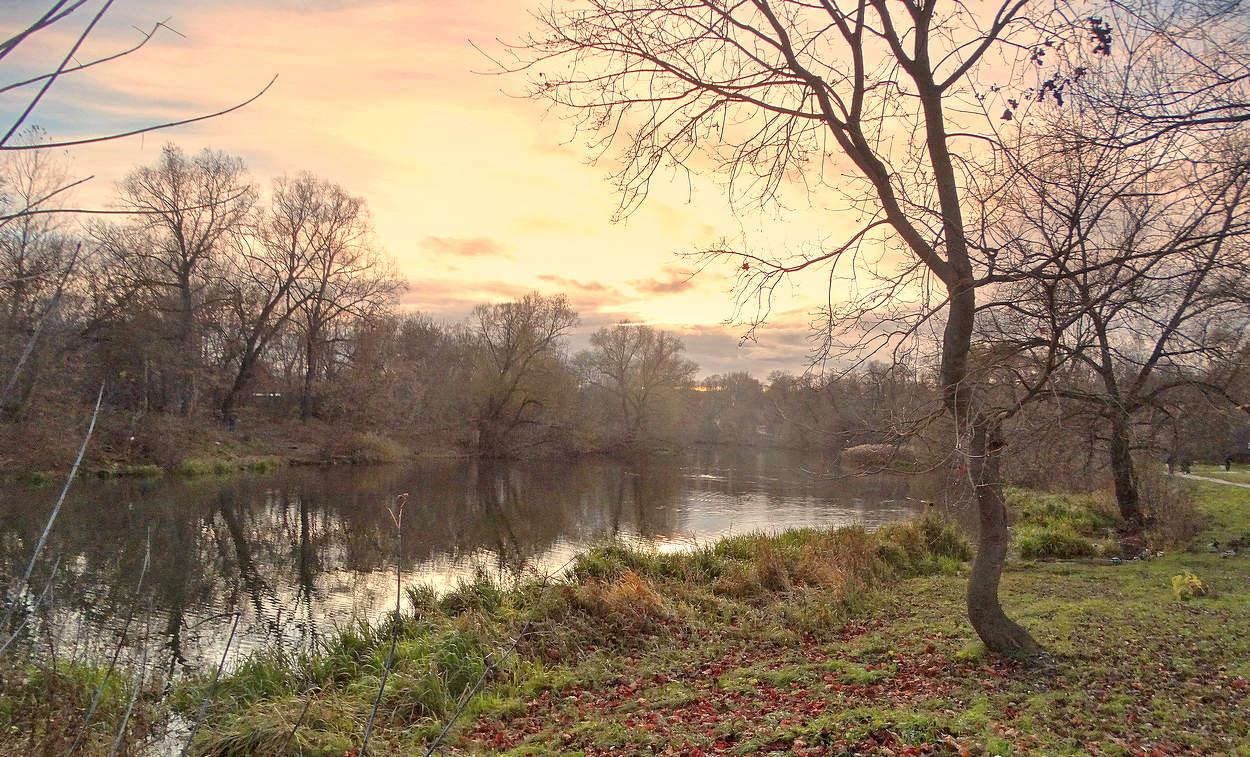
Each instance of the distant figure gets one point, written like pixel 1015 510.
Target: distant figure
pixel 1228 462
pixel 1185 465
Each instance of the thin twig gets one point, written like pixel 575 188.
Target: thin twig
pixel 56 509
pixel 108 672
pixel 141 130
pixel 147 37
pixel 397 517
pixel 52 78
pixel 212 687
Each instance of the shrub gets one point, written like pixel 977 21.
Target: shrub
pixel 367 447
pixel 771 567
pixel 1188 585
pixel 480 594
pixel 919 545
pixel 1056 543
pixel 194 466
pixel 1062 525
pixel 1084 514
pixel 628 597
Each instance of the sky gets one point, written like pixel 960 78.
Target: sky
pixel 479 194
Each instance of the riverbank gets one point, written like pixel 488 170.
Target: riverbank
pixel 151 446
pixel 806 643
pixel 125 445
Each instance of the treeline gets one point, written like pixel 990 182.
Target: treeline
pixel 206 298
pixel 207 302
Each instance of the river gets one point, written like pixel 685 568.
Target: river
pixel 303 551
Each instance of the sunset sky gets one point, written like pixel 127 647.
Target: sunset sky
pixel 479 194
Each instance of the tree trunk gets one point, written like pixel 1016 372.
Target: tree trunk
pixel 236 388
pixel 310 369
pixel 983 433
pixel 1125 475
pixel 1000 633
pixel 188 349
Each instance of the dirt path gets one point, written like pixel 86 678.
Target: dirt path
pixel 1196 477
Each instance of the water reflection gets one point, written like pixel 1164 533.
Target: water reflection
pixel 303 551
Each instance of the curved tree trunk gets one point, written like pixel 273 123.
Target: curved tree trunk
pixel 999 632
pixel 983 433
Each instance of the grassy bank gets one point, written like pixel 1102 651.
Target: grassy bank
pixel 807 643
pixel 43 709
pixel 159 445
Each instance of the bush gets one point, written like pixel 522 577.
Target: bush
pixel 480 595
pixel 1056 543
pixel 1078 513
pixel 194 466
pixel 1188 585
pixel 628 598
pixel 367 447
pixel 919 546
pixel 1062 525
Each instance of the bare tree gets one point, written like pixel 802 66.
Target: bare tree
pixel 186 210
pixel 266 273
pixel 637 365
pixel 38 257
pixel 764 91
pixel 1123 262
pixel 345 276
pixel 518 343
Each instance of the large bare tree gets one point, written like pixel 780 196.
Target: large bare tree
pixel 518 344
pixel 186 209
pixel 345 275
pixel 1122 269
pixel 883 100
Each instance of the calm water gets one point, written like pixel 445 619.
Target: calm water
pixel 303 551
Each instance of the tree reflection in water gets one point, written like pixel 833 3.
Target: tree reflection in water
pixel 305 550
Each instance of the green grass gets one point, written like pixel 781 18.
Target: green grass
pixel 1062 525
pixel 220 466
pixel 1240 472
pixel 809 642
pixel 42 708
pixel 617 598
pixel 1227 511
